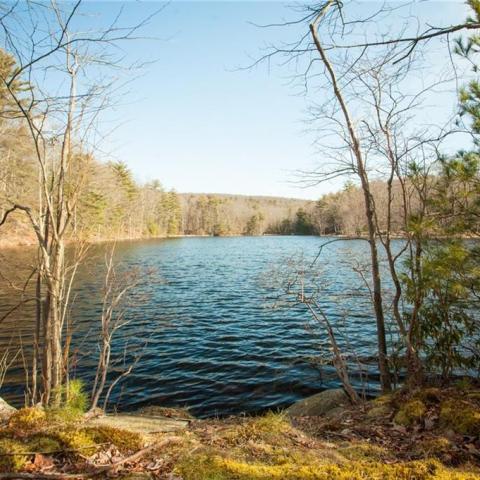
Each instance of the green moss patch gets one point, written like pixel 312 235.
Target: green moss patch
pixel 124 440
pixel 42 443
pixel 270 428
pixel 78 441
pixel 365 451
pixel 460 416
pixel 12 458
pixel 215 467
pixel 28 420
pixel 410 413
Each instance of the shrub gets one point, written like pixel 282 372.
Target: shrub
pixel 73 402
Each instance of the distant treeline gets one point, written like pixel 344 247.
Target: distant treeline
pixel 220 214
pixel 113 205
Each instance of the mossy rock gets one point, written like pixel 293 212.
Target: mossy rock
pixel 386 399
pixel 136 476
pixel 6 411
pixel 157 411
pixel 410 413
pixel 319 404
pixel 474 395
pixel 432 395
pixel 379 411
pixel 124 440
pixel 78 441
pixel 28 419
pixel 464 384
pixel 43 443
pixel 12 455
pixel 460 416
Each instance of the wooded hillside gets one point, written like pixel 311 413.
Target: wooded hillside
pixel 112 205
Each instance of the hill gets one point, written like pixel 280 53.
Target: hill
pixel 226 214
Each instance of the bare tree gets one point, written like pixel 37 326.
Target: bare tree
pixel 299 283
pixel 61 121
pixel 113 318
pixel 364 126
pixel 360 169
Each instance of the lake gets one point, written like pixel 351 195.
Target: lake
pixel 208 327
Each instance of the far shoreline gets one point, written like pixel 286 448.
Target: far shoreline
pixel 17 243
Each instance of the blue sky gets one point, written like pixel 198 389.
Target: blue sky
pixel 196 122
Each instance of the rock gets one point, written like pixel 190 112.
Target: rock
pixel 158 411
pixel 322 403
pixel 6 411
pixel 140 424
pixel 335 412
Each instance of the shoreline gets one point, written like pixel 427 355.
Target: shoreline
pixel 16 243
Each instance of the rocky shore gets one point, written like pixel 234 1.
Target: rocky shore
pixel 430 434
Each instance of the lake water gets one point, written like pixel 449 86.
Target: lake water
pixel 208 325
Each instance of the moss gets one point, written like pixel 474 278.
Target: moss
pixel 434 447
pixel 460 416
pixel 124 440
pixel 215 467
pixel 78 441
pixel 269 428
pixel 430 395
pixel 9 462
pixel 43 443
pixel 379 411
pixel 27 419
pixel 364 451
pixel 410 413
pixel 386 399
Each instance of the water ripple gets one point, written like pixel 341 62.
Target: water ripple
pixel 204 323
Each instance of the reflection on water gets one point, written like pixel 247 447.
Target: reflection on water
pixel 204 322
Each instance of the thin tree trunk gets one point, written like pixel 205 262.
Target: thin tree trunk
pixel 369 212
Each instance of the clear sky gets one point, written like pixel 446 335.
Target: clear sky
pixel 196 122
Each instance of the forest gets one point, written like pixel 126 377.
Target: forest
pixel 112 205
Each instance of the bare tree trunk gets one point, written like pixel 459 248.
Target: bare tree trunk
pixel 369 211
pixel 338 360
pixel 36 338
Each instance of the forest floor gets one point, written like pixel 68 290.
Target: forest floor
pixel 429 434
